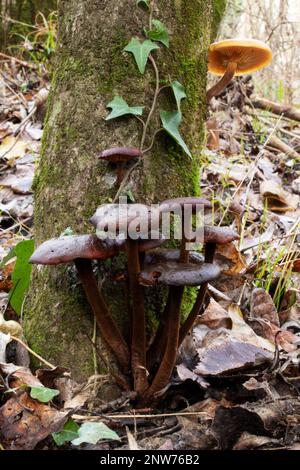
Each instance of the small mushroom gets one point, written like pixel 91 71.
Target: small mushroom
pixel 212 237
pixel 232 57
pixel 175 275
pixel 81 250
pixel 167 334
pixel 120 156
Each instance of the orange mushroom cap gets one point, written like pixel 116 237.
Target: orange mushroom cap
pixel 249 55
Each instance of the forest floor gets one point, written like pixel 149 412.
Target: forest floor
pixel 237 381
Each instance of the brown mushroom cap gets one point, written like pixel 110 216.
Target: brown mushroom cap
pixel 249 55
pixel 179 274
pixel 120 154
pixel 161 255
pixel 120 216
pixel 66 249
pixel 172 204
pixel 144 245
pixel 219 235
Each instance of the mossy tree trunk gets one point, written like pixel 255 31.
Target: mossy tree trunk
pixel 91 68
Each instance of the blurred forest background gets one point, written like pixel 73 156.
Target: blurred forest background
pixel 28 27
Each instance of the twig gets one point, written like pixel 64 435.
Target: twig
pixel 143 416
pixel 21 62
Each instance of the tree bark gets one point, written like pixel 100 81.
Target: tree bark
pixel 91 68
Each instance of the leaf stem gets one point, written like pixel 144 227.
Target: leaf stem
pixel 156 93
pixel 141 120
pixel 153 140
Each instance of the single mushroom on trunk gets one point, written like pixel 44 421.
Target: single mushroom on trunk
pixel 120 156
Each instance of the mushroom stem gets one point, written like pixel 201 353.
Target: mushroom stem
pixel 120 173
pixel 166 341
pixel 138 327
pixel 184 254
pixel 164 372
pixel 210 249
pixel 158 345
pixel 107 326
pixel 223 82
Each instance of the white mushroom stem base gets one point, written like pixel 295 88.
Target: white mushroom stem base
pixel 223 82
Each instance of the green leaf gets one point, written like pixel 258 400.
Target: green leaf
pixel 21 274
pixel 141 51
pixel 8 257
pixel 119 107
pixel 144 3
pixel 158 33
pixel 93 432
pixel 170 121
pixel 179 93
pixel 68 432
pixel 43 394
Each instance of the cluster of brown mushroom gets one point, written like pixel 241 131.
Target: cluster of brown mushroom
pixel 147 365
pixel 235 57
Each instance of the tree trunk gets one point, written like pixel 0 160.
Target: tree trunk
pixel 91 68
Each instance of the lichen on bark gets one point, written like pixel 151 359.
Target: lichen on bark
pixel 90 69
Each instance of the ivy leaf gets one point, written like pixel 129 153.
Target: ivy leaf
pixel 170 121
pixel 159 33
pixel 93 432
pixel 68 432
pixel 119 107
pixel 144 3
pixel 21 274
pixel 43 394
pixel 141 51
pixel 179 94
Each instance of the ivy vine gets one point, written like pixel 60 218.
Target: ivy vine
pixel 155 36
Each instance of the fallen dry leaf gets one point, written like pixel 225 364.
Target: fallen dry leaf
pixel 223 353
pixel 229 259
pixel 262 306
pixel 22 373
pixel 277 198
pixel 215 316
pixel 24 422
pixel 12 148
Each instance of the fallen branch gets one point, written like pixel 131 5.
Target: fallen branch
pixel 275 108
